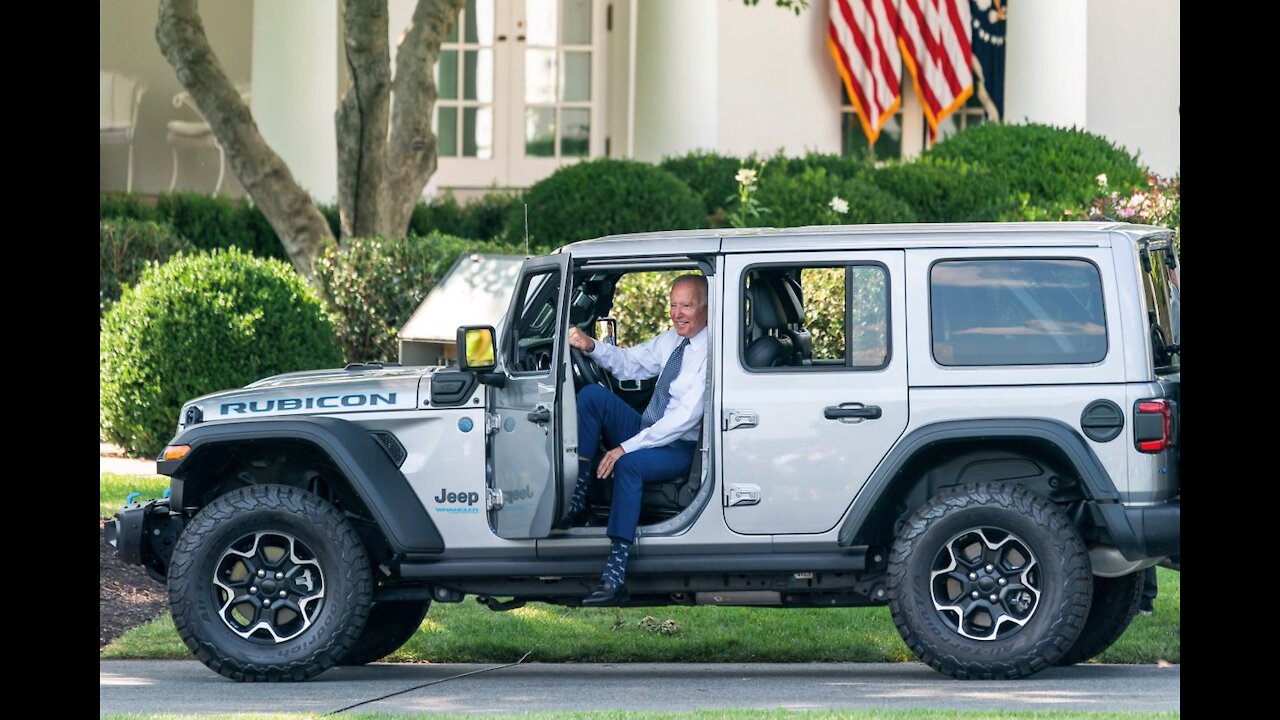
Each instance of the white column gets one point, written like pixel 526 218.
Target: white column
pixel 1046 62
pixel 295 88
pixel 675 101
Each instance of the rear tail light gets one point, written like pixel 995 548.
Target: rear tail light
pixel 1153 425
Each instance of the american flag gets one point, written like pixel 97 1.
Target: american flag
pixel 860 36
pixel 934 36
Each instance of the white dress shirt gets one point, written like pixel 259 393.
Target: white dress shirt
pixel 683 417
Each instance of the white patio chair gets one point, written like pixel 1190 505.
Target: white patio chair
pixel 197 134
pixel 119 96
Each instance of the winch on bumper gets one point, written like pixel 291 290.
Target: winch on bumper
pixel 144 533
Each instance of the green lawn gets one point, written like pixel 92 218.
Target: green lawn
pixel 468 632
pixel 114 487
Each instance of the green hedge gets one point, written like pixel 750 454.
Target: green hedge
pixel 1055 167
pixel 941 190
pixel 604 197
pixel 483 218
pixel 207 221
pixel 372 285
pixel 710 176
pixel 198 324
pixel 126 246
pixel 804 199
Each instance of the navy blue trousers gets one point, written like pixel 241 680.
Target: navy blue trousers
pixel 604 416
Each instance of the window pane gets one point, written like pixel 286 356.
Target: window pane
pixel 575 84
pixel 479 22
pixel 1017 312
pixel 447 131
pixel 539 76
pixel 575 28
pixel 447 75
pixel 854 140
pixel 477 75
pixel 868 317
pixel 541 16
pixel 823 295
pixel 452 37
pixel 477 132
pixel 575 131
pixel 539 131
pixel 535 330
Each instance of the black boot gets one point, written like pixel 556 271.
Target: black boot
pixel 612 589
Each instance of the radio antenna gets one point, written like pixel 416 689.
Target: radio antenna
pixel 526 229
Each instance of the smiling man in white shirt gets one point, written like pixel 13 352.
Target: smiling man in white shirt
pixel 645 447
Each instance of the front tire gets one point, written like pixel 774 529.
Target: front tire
pixel 269 583
pixel 1115 603
pixel 989 581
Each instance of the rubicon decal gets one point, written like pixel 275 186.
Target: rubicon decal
pixel 323 402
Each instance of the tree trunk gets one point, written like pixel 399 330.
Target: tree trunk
pixel 413 144
pixel 386 155
pixel 364 191
pixel 288 208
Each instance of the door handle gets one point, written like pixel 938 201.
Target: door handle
pixel 841 412
pixel 540 415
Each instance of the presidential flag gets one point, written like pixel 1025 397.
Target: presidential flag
pixel 861 35
pixel 934 37
pixel 988 53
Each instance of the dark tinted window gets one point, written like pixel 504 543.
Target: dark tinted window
pixel 1017 312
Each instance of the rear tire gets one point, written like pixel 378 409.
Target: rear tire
pixel 1115 603
pixel 390 625
pixel 269 583
pixel 989 581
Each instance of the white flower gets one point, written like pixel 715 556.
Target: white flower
pixel 746 176
pixel 1102 180
pixel 839 204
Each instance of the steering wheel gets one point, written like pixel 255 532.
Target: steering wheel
pixel 585 370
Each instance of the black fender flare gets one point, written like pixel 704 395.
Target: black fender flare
pixel 1097 482
pixel 374 477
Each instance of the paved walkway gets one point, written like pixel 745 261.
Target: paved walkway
pixel 111 459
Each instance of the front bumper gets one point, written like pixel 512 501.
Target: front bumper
pixel 144 533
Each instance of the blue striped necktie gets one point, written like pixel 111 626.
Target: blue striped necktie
pixel 662 391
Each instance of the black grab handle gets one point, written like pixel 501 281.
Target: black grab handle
pixel 835 412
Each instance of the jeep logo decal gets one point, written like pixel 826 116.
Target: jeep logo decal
pixel 308 403
pixel 470 498
pixel 449 501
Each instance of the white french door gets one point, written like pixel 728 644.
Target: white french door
pixel 521 90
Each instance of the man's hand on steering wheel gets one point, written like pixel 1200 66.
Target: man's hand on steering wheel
pixel 581 340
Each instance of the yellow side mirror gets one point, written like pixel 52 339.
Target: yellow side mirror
pixel 476 348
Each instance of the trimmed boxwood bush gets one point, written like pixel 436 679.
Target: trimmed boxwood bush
pixel 126 247
pixel 483 218
pixel 372 285
pixel 603 197
pixel 198 324
pixel 1056 167
pixel 946 190
pixel 804 200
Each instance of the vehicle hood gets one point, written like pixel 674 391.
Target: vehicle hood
pixel 316 392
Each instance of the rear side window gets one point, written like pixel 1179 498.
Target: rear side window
pixel 1017 312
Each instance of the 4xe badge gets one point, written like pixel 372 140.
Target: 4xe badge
pixel 457 502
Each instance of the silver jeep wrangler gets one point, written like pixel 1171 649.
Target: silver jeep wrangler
pixel 975 424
